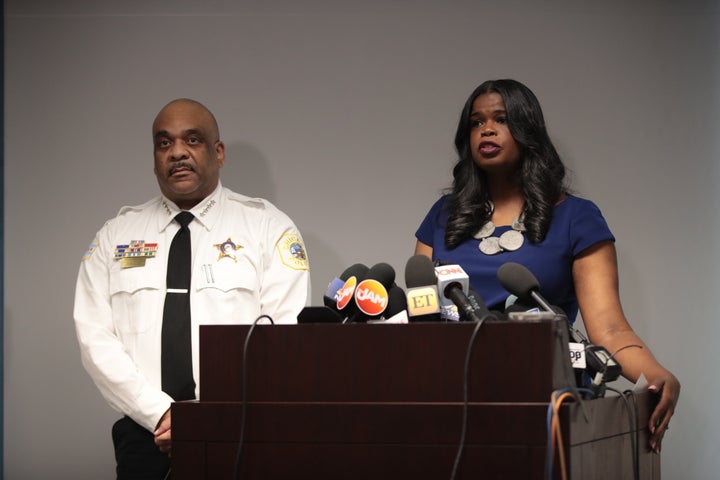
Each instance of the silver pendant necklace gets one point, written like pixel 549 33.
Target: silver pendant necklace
pixel 507 242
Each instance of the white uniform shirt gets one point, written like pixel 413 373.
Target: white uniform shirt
pixel 248 260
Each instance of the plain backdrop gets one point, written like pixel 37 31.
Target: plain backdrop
pixel 343 114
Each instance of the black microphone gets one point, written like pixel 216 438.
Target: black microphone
pixel 371 294
pixel 520 281
pixel 453 282
pixel 447 275
pixel 467 312
pixel 397 303
pixel 330 297
pixel 422 294
pixel 396 310
pixel 344 303
pixel 479 306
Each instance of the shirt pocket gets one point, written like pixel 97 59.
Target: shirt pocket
pixel 226 277
pixel 137 296
pixel 226 291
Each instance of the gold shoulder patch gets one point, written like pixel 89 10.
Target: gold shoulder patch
pixel 292 251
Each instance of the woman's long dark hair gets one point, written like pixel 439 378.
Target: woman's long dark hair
pixel 542 172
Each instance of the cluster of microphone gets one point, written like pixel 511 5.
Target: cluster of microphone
pixel 434 293
pixel 362 294
pixel 442 292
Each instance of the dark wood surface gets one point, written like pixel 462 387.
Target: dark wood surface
pixel 419 441
pixel 511 362
pixel 385 401
pixel 357 441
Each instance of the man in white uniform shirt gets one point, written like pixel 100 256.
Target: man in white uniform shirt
pixel 248 260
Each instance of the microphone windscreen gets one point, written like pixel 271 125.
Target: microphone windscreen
pixel 331 295
pixel 517 279
pixel 383 273
pixel 352 276
pixel 397 302
pixel 419 272
pixel 358 270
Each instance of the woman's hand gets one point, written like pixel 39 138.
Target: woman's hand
pixel 668 388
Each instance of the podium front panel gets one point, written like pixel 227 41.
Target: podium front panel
pixel 424 362
pixel 328 401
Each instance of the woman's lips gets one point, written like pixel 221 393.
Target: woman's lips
pixel 489 148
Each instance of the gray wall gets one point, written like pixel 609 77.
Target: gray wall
pixel 343 113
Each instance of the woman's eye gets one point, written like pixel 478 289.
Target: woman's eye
pixel 475 123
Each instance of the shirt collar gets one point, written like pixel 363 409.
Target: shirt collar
pixel 206 212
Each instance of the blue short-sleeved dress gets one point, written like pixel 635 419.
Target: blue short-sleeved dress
pixel 576 225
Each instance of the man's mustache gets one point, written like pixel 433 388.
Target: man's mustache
pixel 176 166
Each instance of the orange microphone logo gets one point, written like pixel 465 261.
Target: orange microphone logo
pixel 345 294
pixel 371 297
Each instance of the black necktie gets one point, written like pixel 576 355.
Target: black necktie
pixel 176 353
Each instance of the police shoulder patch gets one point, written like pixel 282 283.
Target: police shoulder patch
pixel 90 250
pixel 292 251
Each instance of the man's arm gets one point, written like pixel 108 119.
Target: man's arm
pixel 285 287
pixel 103 354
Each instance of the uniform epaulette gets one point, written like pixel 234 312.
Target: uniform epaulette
pixel 252 201
pixel 136 208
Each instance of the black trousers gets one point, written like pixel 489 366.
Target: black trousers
pixel 136 455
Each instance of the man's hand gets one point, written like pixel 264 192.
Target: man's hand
pixel 162 433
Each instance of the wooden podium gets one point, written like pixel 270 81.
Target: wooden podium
pixel 330 401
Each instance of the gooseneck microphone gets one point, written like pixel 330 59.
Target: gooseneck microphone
pixel 520 281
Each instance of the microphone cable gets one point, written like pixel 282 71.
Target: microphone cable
pixel 633 417
pixel 598 385
pixel 633 420
pixel 554 432
pixel 243 414
pixel 466 388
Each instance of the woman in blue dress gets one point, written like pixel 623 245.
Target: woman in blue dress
pixel 509 203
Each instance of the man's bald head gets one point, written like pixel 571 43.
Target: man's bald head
pixel 191 107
